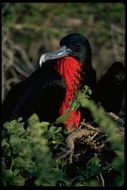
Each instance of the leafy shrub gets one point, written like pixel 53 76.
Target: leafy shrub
pixel 30 151
pixel 27 158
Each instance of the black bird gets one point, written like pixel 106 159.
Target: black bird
pixel 50 89
pixel 110 88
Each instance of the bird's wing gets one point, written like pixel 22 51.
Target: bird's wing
pixel 38 93
pixel 109 89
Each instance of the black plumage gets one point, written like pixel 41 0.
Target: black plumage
pixel 110 88
pixel 36 94
pixel 44 91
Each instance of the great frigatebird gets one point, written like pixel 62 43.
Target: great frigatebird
pixel 50 89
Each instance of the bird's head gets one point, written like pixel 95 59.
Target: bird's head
pixel 74 45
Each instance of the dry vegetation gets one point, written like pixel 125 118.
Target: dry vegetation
pixel 30 29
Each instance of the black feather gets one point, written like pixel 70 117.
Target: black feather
pixel 44 91
pixel 110 88
pixel 37 94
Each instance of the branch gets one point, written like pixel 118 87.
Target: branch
pixel 88 134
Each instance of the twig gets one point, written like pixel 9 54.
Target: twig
pixel 24 56
pixel 70 140
pixel 11 164
pixel 118 120
pixel 89 126
pixel 114 44
pixel 102 179
pixel 117 29
pixel 21 71
pixel 6 6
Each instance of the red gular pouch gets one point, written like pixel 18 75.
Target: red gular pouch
pixel 69 68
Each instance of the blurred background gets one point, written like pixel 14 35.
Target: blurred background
pixel 31 29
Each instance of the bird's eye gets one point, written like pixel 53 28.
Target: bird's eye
pixel 77 44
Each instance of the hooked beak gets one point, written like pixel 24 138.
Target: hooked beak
pixel 62 52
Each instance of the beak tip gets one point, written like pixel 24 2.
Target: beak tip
pixel 42 60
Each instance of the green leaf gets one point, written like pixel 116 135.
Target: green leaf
pixel 18 181
pixel 75 105
pixel 63 118
pixel 10 178
pixel 93 166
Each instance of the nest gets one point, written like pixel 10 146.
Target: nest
pixel 86 140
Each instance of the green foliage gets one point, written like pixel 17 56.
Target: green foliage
pixel 110 128
pixel 93 166
pixel 28 153
pixel 63 118
pixel 27 158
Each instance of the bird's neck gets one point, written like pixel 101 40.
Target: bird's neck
pixel 70 69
